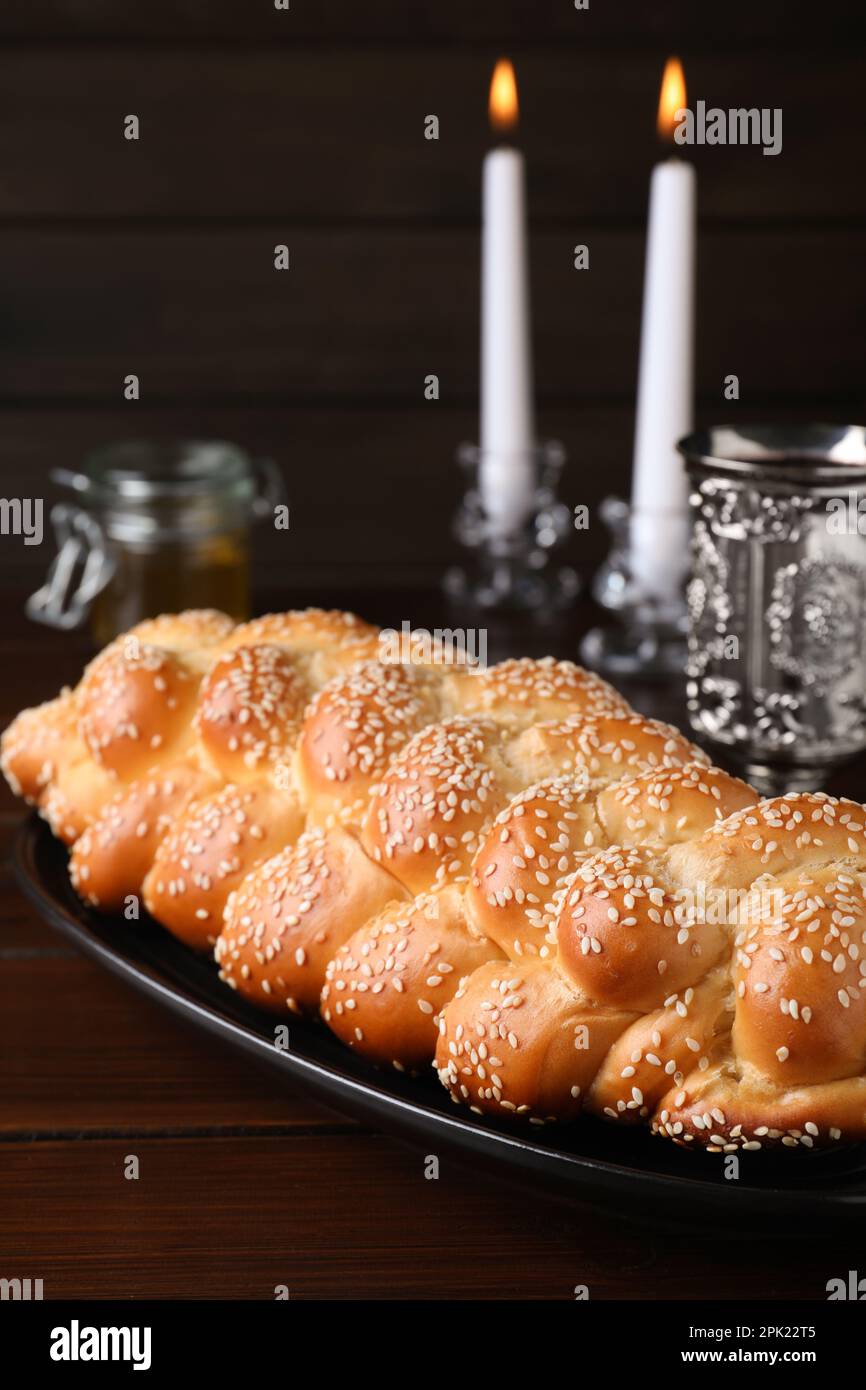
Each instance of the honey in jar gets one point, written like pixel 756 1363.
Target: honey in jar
pixel 156 528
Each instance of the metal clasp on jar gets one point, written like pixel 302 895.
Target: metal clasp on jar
pixel 92 539
pixel 79 571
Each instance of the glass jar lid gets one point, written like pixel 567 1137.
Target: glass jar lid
pixel 145 491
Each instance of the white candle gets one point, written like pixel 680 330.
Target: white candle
pixel 507 433
pixel 660 519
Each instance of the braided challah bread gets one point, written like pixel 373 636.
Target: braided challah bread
pixel 192 749
pixel 506 870
pixel 503 908
pixel 711 984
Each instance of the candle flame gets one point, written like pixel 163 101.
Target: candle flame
pixel 672 98
pixel 503 105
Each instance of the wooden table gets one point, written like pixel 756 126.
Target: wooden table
pixel 246 1184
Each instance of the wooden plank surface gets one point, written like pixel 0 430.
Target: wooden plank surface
pixel 338 134
pixel 779 24
pixel 23 935
pixel 86 1055
pixel 352 1217
pixel 203 315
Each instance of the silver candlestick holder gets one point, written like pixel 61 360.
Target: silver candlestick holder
pixel 512 569
pixel 647 635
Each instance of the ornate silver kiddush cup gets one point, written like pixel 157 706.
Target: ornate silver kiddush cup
pixel 777 600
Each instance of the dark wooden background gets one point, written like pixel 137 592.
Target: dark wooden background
pixel 261 127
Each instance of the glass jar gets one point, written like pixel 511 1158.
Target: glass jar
pixel 154 528
pixel 777 599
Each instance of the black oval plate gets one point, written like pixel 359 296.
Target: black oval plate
pixel 626 1171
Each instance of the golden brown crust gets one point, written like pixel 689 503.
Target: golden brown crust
pixel 182 632
pixel 45 760
pixel 525 690
pixel 209 852
pixel 795 831
pixel 305 629
pixel 799 973
pixel 112 857
pixel 289 917
pixel 539 840
pixel 792 1068
pixel 386 987
pixel 516 1040
pixel 175 688
pixel 716 1109
pixel 37 743
pixel 136 704
pixel 625 939
pixel 672 806
pixel 250 709
pixel 660 1048
pixel 600 748
pixel 324 642
pixel 353 729
pixel 525 861
pixel 76 796
pixel 425 818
